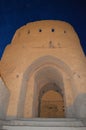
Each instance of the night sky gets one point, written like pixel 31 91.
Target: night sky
pixel 16 13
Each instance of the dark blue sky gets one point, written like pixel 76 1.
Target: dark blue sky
pixel 16 13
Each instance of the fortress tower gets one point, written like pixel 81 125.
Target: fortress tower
pixel 43 73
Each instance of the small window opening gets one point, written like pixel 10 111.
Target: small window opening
pixel 40 30
pixel 53 30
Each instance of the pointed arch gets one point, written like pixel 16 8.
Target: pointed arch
pixel 39 64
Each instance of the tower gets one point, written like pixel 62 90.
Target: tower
pixel 44 56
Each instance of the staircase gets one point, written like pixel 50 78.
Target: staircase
pixel 43 124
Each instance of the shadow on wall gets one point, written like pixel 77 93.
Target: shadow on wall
pixel 80 105
pixel 78 108
pixel 4 99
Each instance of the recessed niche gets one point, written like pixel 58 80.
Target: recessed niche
pixel 51 45
pixel 59 45
pixel 52 30
pixel 28 31
pixel 64 31
pixel 17 76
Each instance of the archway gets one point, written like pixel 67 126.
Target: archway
pixel 51 104
pixel 43 71
pixel 49 81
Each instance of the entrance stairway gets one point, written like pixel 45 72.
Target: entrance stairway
pixel 43 124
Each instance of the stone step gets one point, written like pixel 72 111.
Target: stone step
pixel 41 128
pixel 43 124
pixel 69 122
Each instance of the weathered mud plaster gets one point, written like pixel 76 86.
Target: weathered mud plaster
pixel 41 53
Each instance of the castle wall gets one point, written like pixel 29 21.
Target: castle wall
pixel 37 40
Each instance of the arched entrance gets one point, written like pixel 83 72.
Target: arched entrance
pixel 42 74
pixel 49 97
pixel 51 105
